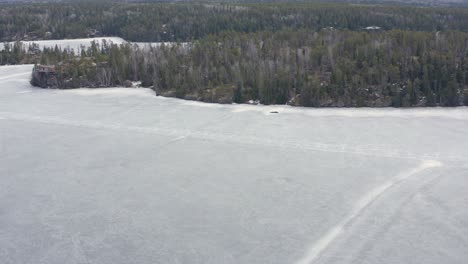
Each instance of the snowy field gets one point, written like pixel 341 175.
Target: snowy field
pixel 118 176
pixel 78 44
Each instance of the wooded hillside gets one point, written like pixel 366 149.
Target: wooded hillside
pixel 187 22
pixel 298 67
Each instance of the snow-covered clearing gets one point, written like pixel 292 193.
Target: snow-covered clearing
pixel 121 176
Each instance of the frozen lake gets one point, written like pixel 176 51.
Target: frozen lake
pixel 118 176
pixel 78 44
pixel 75 44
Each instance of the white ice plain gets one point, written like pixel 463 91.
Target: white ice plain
pixel 122 176
pixel 75 44
pixel 78 44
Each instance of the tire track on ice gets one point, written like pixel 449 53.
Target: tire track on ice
pixel 397 206
pixel 14 75
pixel 314 252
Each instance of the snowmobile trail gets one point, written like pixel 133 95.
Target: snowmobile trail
pixel 314 252
pixel 198 133
pixel 14 75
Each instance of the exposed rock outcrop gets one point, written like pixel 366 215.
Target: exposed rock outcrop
pixel 44 76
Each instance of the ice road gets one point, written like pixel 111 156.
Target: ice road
pixel 118 176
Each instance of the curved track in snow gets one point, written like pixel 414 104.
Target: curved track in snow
pixel 314 252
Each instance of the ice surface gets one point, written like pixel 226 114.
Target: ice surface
pixel 75 44
pixel 78 44
pixel 122 176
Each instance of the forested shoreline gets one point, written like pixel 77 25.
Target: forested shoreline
pixel 329 68
pixel 333 56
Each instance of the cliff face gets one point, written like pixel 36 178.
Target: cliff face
pixel 44 77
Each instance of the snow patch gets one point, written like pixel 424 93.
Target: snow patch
pixel 373 28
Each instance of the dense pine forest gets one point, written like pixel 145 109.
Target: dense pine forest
pixel 186 22
pixel 319 55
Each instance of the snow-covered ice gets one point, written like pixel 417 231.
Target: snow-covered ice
pixel 122 176
pixel 78 44
pixel 75 44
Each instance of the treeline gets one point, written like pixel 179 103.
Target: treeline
pixel 188 22
pixel 326 68
pixel 19 53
